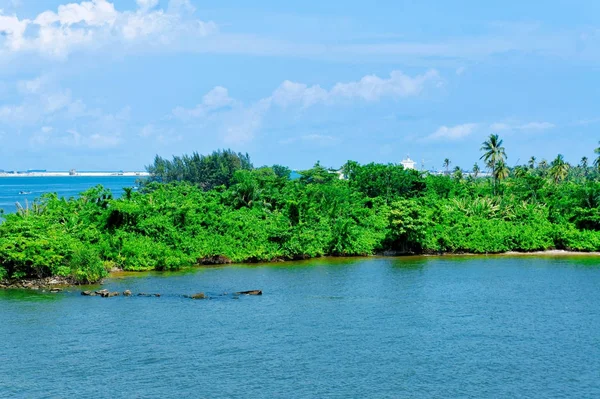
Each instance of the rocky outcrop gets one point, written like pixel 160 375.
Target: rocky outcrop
pixel 52 284
pixel 199 295
pixel 215 260
pixel 251 292
pixel 127 293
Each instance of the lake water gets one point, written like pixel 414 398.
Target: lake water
pixel 437 327
pixel 67 186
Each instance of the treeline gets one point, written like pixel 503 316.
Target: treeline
pixel 219 208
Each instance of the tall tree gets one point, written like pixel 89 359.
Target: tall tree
pixel 447 165
pixel 493 154
pixel 531 162
pixel 597 160
pixel 457 174
pixel 501 172
pixel 559 169
pixel 476 170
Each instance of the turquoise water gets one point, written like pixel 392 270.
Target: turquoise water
pixel 68 186
pixel 476 327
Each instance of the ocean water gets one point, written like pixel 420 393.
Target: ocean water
pixel 423 327
pixel 67 186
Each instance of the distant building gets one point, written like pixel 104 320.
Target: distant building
pixel 72 172
pixel 408 163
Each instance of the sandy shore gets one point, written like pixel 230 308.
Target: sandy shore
pixel 552 252
pixel 84 174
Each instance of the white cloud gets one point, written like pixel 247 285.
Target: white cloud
pixel 500 127
pixel 96 23
pixel 291 93
pixel 530 126
pixel 453 133
pixel 214 100
pixel 368 88
pixel 147 131
pixel 241 122
pixel 537 126
pixel 72 138
pixel 373 88
pixel 146 4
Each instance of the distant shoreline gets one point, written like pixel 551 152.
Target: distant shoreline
pixel 76 174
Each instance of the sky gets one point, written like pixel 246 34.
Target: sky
pixel 107 85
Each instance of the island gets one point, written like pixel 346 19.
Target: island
pixel 220 208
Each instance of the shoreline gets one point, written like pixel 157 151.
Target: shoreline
pixel 47 283
pixel 77 174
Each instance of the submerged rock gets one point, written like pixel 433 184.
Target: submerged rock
pixel 55 289
pixel 251 292
pixel 199 295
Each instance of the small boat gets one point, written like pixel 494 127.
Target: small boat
pixel 24 192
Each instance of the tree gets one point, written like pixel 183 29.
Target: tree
pixel 583 164
pixel 493 155
pixel 476 170
pixel 559 169
pixel 597 160
pixel 206 171
pixel 447 165
pixel 457 174
pixel 501 172
pixel 543 167
pixel 531 162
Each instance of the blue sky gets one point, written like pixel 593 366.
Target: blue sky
pixel 102 84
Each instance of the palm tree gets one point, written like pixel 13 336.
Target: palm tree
pixel 476 170
pixel 493 154
pixel 531 163
pixel 447 165
pixel 501 172
pixel 559 169
pixel 583 164
pixel 520 172
pixel 457 174
pixel 597 160
pixel 543 166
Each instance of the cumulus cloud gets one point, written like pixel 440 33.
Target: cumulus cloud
pixel 453 132
pixel 369 88
pixel 216 99
pixel 241 122
pixel 96 23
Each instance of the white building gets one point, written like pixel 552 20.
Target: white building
pixel 408 163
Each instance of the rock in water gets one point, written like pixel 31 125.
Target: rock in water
pixel 55 290
pixel 126 293
pixel 199 295
pixel 251 292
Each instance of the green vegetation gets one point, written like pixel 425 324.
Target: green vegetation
pixel 215 208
